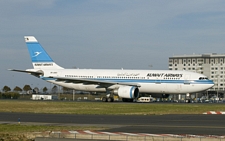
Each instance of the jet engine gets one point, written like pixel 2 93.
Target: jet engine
pixel 130 92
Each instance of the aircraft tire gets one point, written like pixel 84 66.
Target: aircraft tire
pixel 110 99
pixel 104 99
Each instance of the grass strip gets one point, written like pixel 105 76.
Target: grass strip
pixel 114 108
pixel 16 128
pixel 17 132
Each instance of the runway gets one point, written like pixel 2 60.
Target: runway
pixel 154 124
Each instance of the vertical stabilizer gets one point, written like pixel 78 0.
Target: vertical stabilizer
pixel 39 57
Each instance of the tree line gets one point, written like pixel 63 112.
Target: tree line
pixel 28 90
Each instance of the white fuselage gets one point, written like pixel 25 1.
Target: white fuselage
pixel 150 81
pixel 127 84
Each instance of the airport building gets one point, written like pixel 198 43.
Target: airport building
pixel 212 65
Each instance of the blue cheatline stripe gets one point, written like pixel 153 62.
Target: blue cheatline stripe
pixel 157 81
pixel 37 53
pixel 147 81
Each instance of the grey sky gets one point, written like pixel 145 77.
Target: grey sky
pixel 129 34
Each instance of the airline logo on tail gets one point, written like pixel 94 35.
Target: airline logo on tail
pixel 36 54
pixel 39 57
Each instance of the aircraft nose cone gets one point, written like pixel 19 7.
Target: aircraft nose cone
pixel 211 83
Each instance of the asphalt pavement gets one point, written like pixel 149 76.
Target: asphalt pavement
pixel 154 124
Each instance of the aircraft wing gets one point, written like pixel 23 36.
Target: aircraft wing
pixel 93 81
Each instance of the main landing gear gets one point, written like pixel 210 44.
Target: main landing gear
pixel 107 99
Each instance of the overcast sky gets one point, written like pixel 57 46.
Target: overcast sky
pixel 129 34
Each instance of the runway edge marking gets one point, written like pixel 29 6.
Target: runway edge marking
pixel 137 134
pixel 214 113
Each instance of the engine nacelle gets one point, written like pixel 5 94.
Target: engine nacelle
pixel 127 92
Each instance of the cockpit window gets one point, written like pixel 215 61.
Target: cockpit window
pixel 203 78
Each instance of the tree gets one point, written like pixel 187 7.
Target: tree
pixel 36 90
pixel 27 88
pixel 54 89
pixel 17 89
pixel 45 89
pixel 6 89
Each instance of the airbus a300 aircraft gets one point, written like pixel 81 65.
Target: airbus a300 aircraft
pixel 127 84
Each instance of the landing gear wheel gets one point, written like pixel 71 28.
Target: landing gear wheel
pixel 104 99
pixel 110 99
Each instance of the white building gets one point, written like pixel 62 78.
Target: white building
pixel 212 65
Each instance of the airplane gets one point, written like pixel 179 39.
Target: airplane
pixel 127 84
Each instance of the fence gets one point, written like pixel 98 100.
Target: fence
pixel 61 135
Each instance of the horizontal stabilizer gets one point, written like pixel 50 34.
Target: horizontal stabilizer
pixel 35 73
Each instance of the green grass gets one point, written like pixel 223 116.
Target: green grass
pixel 107 108
pixel 16 128
pixel 16 132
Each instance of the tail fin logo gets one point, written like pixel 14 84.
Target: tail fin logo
pixel 39 57
pixel 36 54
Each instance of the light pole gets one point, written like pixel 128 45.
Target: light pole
pixel 217 95
pixel 73 95
pixel 207 94
pixel 12 82
pixel 59 93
